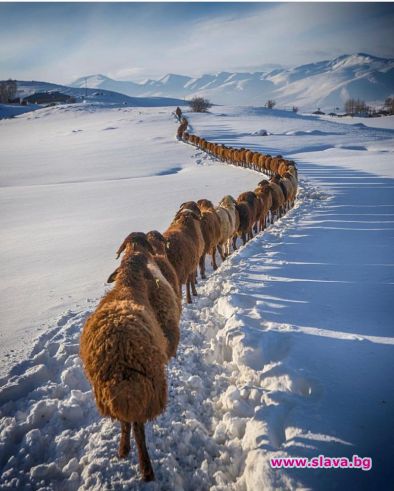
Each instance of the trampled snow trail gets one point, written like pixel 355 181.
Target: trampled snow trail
pixel 53 438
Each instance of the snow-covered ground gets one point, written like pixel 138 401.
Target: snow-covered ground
pixel 287 352
pixel 11 110
pixel 385 122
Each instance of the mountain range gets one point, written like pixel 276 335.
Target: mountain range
pixel 325 84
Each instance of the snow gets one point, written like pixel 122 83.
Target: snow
pixel 385 122
pixel 12 110
pixel 288 349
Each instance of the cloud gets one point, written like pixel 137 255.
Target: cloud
pixel 60 42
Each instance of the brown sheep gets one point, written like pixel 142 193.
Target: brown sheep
pixel 287 181
pixel 210 228
pixel 264 193
pixel 285 188
pixel 274 165
pixel 293 180
pixel 292 168
pixel 249 157
pixel 185 245
pixel 245 222
pixel 168 317
pixel 124 352
pixel 159 246
pixel 253 203
pixel 230 205
pixel 255 160
pixel 282 169
pixel 225 231
pixel 278 199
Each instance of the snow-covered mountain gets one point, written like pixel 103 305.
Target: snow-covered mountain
pixel 96 95
pixel 326 84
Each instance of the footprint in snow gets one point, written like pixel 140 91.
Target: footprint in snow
pixel 110 128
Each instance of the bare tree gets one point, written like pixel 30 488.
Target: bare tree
pixel 295 109
pixel 356 106
pixel 389 105
pixel 270 104
pixel 199 105
pixel 7 90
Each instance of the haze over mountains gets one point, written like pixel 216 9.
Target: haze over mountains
pixel 325 84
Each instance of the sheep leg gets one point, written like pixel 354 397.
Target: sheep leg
pixel 244 238
pixel 202 266
pixel 124 445
pixel 143 456
pixel 235 242
pixel 214 265
pixel 193 284
pixel 188 294
pixel 220 249
pixel 228 247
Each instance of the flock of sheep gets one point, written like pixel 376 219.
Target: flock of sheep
pixel 129 339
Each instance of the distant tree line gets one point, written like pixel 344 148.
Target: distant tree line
pixel 7 90
pixel 389 105
pixel 358 106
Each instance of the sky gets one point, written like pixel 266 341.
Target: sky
pixel 60 42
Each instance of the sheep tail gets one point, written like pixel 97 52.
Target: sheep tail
pixel 136 399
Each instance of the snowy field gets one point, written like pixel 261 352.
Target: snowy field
pixel 289 349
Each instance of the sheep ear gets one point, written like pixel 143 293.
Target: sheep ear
pixel 121 249
pixel 112 276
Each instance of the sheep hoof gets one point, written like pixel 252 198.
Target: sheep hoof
pixel 123 452
pixel 148 476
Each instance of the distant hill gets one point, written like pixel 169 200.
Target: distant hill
pixel 99 95
pixel 325 84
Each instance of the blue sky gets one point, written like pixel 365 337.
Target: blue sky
pixel 60 42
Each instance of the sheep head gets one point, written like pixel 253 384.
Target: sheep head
pixel 228 201
pixel 205 204
pixel 191 206
pixel 135 241
pixel 157 241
